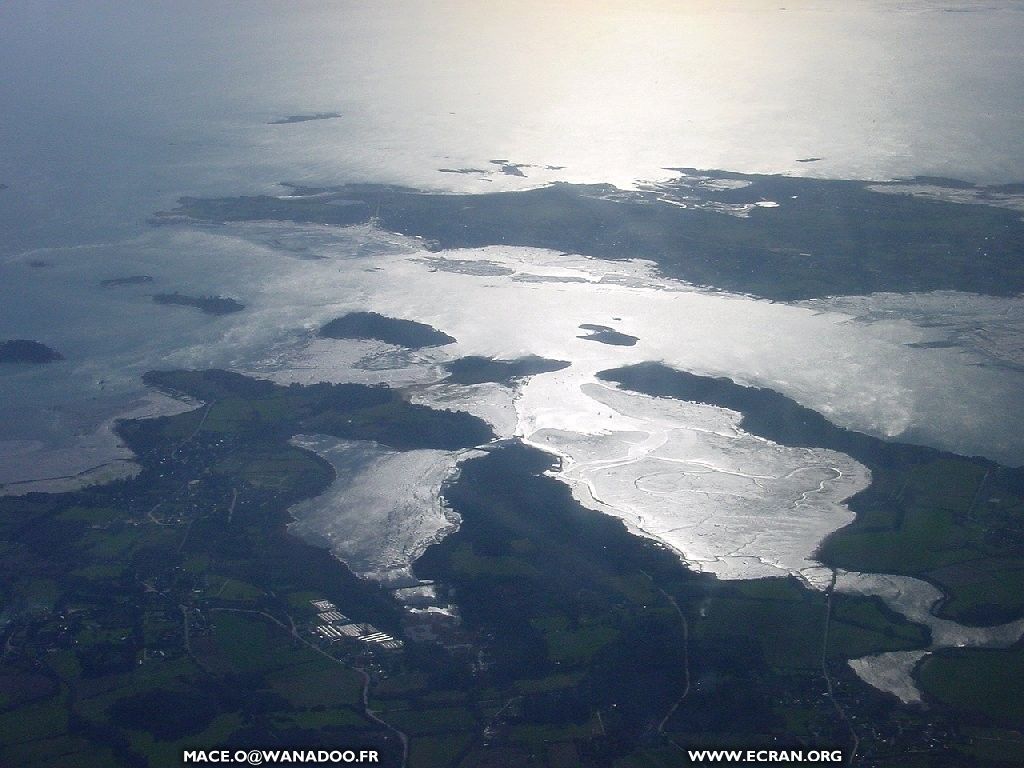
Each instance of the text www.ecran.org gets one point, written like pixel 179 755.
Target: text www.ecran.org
pixel 783 756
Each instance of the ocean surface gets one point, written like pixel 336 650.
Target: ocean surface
pixel 111 113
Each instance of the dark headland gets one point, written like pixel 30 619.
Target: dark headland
pixel 305 118
pixel 824 237
pixel 480 370
pixel 115 282
pixel 606 335
pixel 211 305
pixel 370 325
pixel 26 351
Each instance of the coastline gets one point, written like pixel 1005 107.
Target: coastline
pixel 109 458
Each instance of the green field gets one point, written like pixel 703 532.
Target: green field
pixel 142 609
pixel 157 612
pixel 979 684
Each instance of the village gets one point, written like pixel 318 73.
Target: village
pixel 426 619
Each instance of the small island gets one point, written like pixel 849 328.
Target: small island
pixel 606 335
pixel 305 118
pixel 371 325
pixel 114 282
pixel 480 370
pixel 26 351
pixel 211 305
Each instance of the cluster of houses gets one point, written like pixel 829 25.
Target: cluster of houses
pixel 332 625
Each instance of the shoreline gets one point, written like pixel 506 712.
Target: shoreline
pixel 107 443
